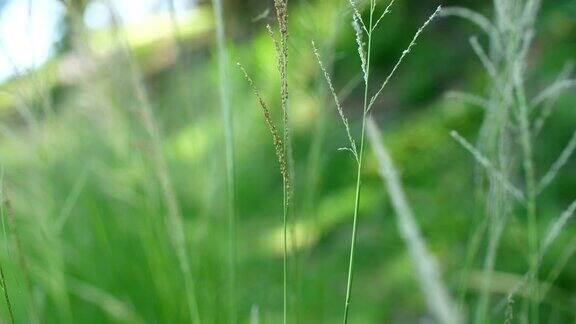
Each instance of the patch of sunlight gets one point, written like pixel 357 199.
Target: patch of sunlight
pixel 154 28
pixel 305 112
pixel 332 211
pixel 263 55
pixel 27 87
pixel 192 142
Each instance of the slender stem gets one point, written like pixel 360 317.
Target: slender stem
pixel 285 261
pixel 359 172
pixel 531 193
pixel 472 251
pixel 227 122
pixel 354 229
pixel 281 13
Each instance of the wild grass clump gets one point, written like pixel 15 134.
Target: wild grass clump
pixel 174 221
pixel 117 198
pixel 505 149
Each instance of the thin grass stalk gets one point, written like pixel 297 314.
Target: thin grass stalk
pixel 282 17
pixel 227 122
pixel 473 247
pixel 281 7
pixel 531 195
pixel 558 164
pixel 496 228
pixel 366 60
pixel 561 262
pixel 175 224
pixel 368 104
pixel 550 102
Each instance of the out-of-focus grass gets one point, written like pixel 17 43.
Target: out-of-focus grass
pixel 88 211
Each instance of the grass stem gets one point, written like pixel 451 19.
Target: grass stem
pixel 360 160
pixel 227 123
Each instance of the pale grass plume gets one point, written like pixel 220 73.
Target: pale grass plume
pixel 438 299
pixel 361 49
pixel 357 16
pixel 510 37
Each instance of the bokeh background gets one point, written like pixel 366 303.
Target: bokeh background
pixel 78 176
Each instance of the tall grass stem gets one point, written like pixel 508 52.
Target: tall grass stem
pixel 227 123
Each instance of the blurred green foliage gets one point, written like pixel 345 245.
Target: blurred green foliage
pixel 87 207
